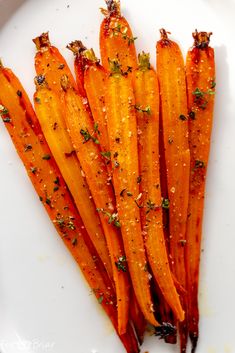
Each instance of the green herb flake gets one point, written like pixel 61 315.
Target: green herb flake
pixel 106 154
pixel 33 170
pixel 120 264
pixel 40 198
pixel 74 241
pixel 57 181
pixel 87 136
pixel 48 201
pixel 19 93
pixel 192 115
pixel 6 120
pixel 46 157
pixel 61 66
pixel 198 93
pixel 100 299
pixel 146 110
pixel 37 100
pixel 112 217
pixel 165 203
pixel 150 206
pixel 199 164
pixel 139 179
pixel 129 193
pixel 170 140
pixel 182 117
pixel 213 84
pixel 3 110
pixel 56 188
pixel 96 126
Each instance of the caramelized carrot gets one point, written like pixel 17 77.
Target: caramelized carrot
pixel 86 144
pixel 172 82
pixel 200 74
pixel 49 111
pixel 26 134
pixel 147 111
pixel 79 64
pixel 137 318
pixel 93 79
pixel 50 63
pixel 116 39
pixel 122 131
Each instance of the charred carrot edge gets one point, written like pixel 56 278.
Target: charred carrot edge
pixel 147 112
pixel 94 76
pixel 116 39
pixel 200 74
pixel 165 311
pixel 85 140
pixel 49 63
pixel 78 48
pixel 122 131
pixel 172 81
pixel 26 134
pixel 137 318
pixel 51 118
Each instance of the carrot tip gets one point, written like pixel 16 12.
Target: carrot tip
pixel 1 64
pixel 42 41
pixel 113 8
pixel 76 47
pixel 201 39
pixel 194 340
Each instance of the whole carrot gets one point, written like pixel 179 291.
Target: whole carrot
pixel 84 135
pixel 116 39
pixel 200 74
pixel 122 131
pixel 50 63
pixel 147 111
pixel 172 81
pixel 50 67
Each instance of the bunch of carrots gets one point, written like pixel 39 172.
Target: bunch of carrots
pixel 118 158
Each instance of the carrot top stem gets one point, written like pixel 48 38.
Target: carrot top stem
pixel 115 67
pixel 201 39
pixel 113 8
pixel 76 47
pixel 165 41
pixel 144 61
pixel 42 41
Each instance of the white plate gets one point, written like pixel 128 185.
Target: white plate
pixel 45 304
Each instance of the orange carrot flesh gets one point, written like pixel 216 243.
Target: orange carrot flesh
pixel 94 81
pixel 200 74
pixel 50 63
pixel 51 118
pixel 171 73
pixel 147 111
pixel 26 134
pixel 116 39
pixel 122 131
pixel 87 147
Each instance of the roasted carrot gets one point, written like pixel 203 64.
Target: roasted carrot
pixel 49 112
pixel 79 64
pixel 122 131
pixel 26 134
pixel 200 74
pixel 147 112
pixel 171 73
pixel 86 144
pixel 116 39
pixel 50 63
pixel 93 77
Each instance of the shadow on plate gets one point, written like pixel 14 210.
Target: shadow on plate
pixel 8 8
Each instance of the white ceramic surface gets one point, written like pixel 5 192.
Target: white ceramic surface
pixel 45 304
